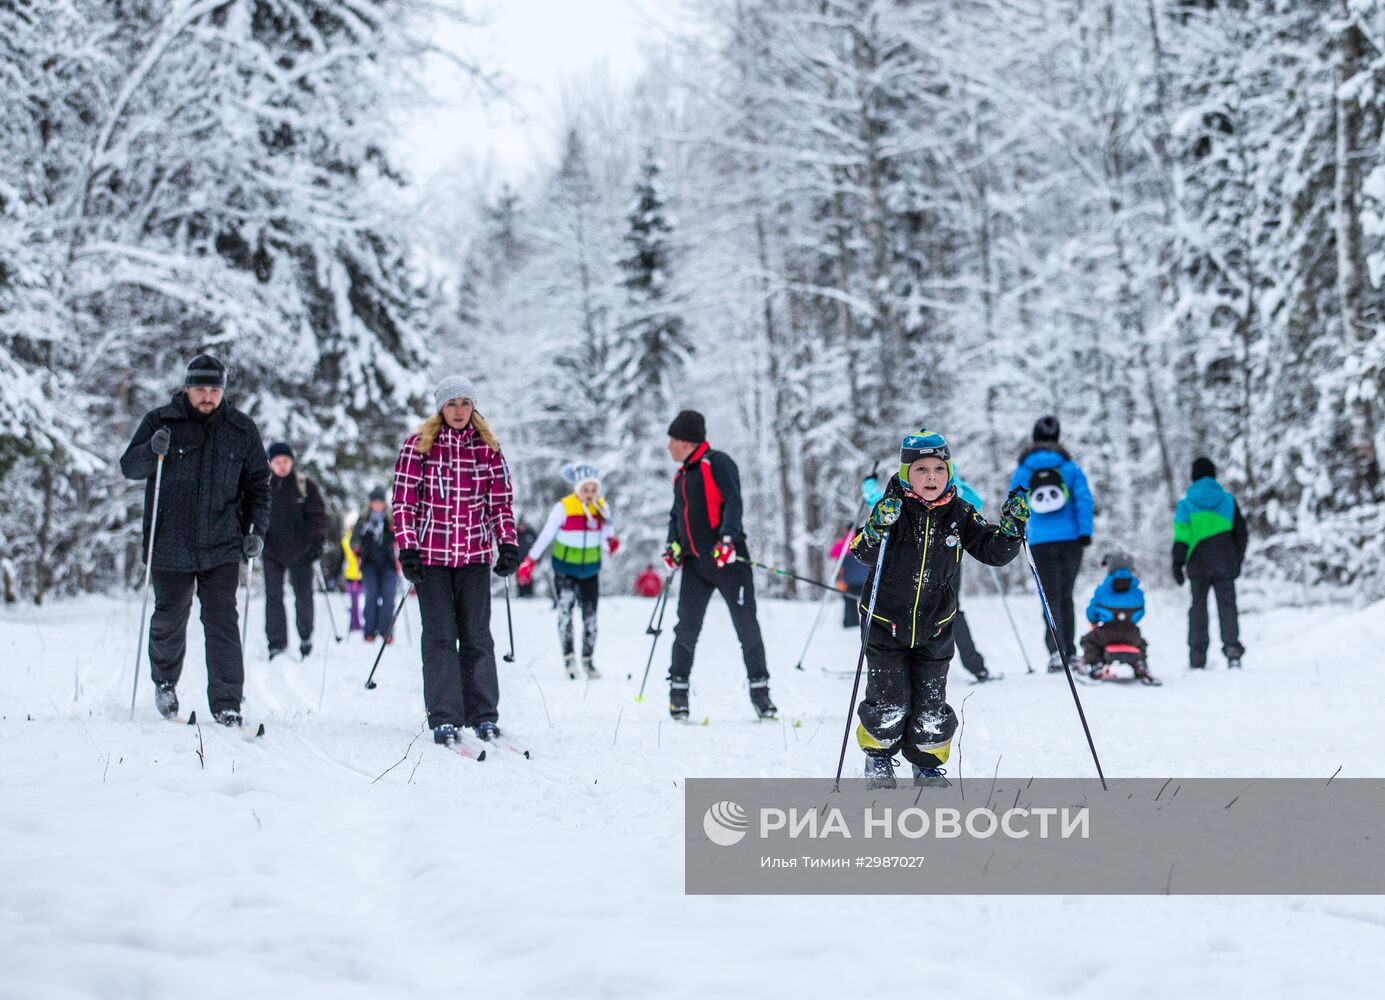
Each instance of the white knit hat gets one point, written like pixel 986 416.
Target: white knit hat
pixel 581 473
pixel 454 387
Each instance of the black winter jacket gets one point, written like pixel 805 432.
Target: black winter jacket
pixel 377 547
pixel 918 586
pixel 297 519
pixel 215 484
pixel 695 522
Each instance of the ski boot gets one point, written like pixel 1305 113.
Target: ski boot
pixel 305 648
pixel 930 777
pixel 590 668
pixel 1055 663
pixel 275 651
pixel 570 662
pixel 1143 675
pixel 446 734
pixel 678 700
pixel 487 731
pixel 1233 663
pixel 1101 672
pixel 880 772
pixel 1233 657
pixel 229 717
pixel 166 700
pixel 759 697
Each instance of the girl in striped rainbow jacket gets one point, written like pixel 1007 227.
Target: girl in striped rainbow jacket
pixel 578 526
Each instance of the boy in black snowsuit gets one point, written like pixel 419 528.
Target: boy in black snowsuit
pixel 909 641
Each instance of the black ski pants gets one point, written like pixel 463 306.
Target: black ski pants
pixel 1198 637
pixel 168 630
pixel 702 579
pixel 1058 564
pixel 300 576
pixel 905 708
pixel 460 685
pixel 573 593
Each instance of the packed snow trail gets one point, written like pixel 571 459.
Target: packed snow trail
pixel 344 854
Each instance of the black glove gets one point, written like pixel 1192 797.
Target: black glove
pixel 251 546
pixel 507 560
pixel 1178 573
pixel 1084 540
pixel 411 562
pixel 159 443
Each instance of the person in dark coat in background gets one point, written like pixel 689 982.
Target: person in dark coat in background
pixel 213 510
pixel 851 579
pixel 372 541
pixel 525 536
pixel 293 543
pixel 1209 546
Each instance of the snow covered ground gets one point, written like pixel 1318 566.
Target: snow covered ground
pixel 285 868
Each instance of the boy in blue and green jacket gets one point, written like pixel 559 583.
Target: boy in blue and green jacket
pixel 1209 546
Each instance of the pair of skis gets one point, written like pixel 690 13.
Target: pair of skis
pixel 244 729
pixel 475 749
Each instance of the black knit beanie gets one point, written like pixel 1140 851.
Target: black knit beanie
pixel 688 426
pixel 279 448
pixel 1203 468
pixel 206 372
pixel 1047 429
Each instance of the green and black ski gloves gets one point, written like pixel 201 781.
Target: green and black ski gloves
pixel 1014 513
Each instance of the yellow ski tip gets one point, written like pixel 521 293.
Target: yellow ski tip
pixel 707 721
pixel 798 723
pixel 639 697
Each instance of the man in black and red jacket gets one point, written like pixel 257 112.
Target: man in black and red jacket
pixel 705 537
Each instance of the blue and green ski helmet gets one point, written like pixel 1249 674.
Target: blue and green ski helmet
pixel 922 445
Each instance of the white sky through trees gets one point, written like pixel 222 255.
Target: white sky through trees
pixel 542 46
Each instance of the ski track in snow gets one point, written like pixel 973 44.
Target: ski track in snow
pixel 284 868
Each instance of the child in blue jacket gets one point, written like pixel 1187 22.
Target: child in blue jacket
pixel 1115 611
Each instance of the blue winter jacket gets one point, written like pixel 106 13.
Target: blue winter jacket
pixel 1118 596
pixel 1075 518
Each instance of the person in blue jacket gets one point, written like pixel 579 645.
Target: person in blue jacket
pixel 1059 529
pixel 1115 611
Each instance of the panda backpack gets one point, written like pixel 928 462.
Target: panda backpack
pixel 1048 493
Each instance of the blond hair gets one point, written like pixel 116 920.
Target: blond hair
pixel 429 430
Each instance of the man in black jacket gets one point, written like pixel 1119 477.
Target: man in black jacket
pixel 293 543
pixel 705 537
pixel 213 509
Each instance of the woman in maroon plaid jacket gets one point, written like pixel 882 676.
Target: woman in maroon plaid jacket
pixel 452 510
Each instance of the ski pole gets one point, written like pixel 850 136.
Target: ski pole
pixel 663 592
pixel 841 560
pixel 148 575
pixel 370 680
pixel 509 623
pixel 1028 667
pixel 861 661
pixel 1063 654
pixel 802 579
pixel 245 618
pixel 657 631
pixel 327 596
